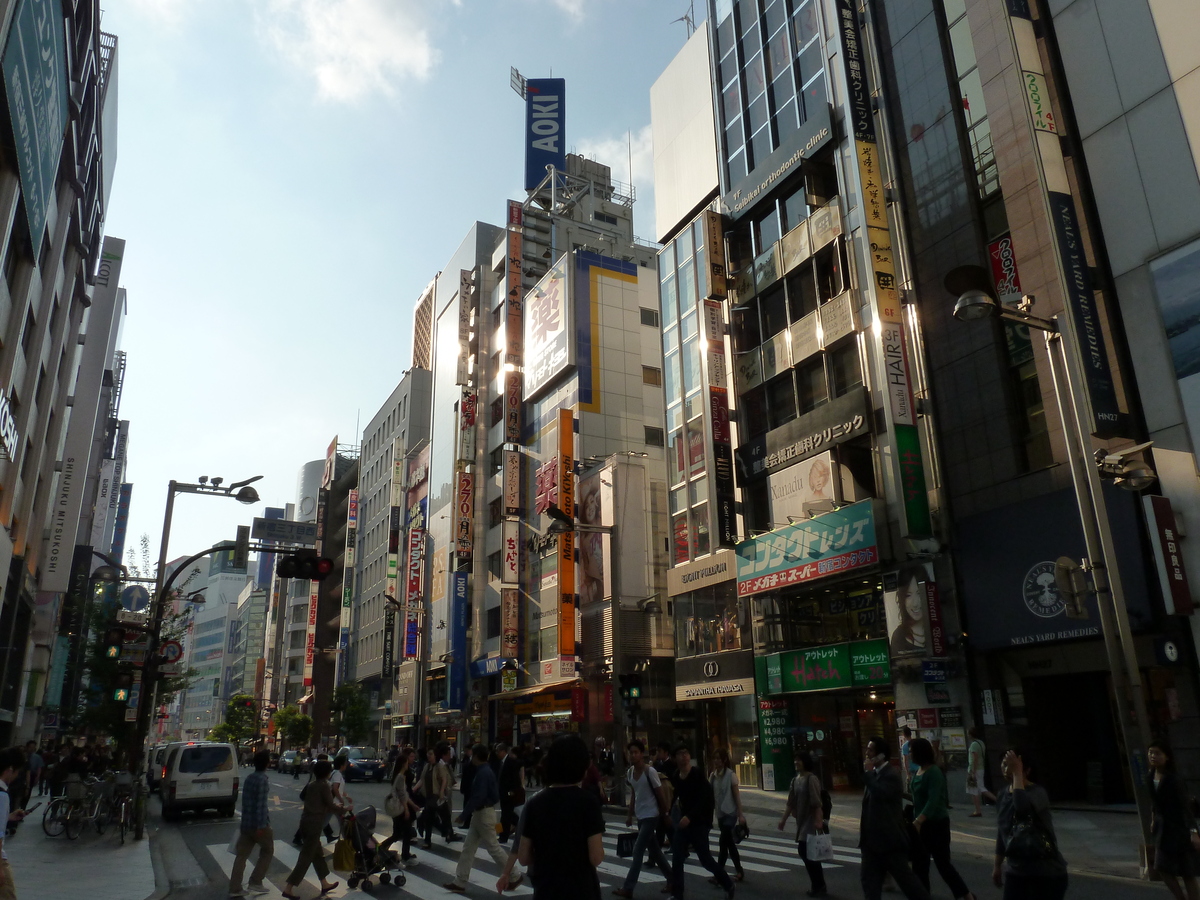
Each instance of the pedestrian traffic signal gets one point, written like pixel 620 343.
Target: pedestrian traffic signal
pixel 305 565
pixel 113 639
pixel 631 688
pixel 123 686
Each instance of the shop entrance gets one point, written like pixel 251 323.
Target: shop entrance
pixel 835 728
pixel 1074 735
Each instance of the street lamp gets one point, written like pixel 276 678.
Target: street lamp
pixel 1087 469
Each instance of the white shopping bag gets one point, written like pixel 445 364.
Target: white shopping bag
pixel 819 848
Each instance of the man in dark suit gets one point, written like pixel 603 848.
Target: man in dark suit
pixel 882 835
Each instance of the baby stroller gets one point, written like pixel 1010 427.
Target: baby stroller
pixel 368 861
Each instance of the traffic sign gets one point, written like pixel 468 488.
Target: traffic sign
pixel 129 617
pixel 171 651
pixel 170 670
pixel 131 715
pixel 285 531
pixel 136 598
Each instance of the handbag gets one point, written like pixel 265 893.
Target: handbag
pixel 819 848
pixel 391 806
pixel 343 855
pixel 625 843
pixel 741 831
pixel 1029 840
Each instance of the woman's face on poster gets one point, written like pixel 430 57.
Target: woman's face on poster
pixel 912 600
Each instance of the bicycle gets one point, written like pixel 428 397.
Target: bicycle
pixel 54 819
pixel 124 803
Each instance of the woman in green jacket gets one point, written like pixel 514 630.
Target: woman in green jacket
pixel 931 818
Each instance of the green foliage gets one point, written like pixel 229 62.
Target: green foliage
pixel 351 713
pixel 241 720
pixel 293 726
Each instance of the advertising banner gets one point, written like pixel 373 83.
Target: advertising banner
pixel 794 489
pixel 512 482
pixel 466 307
pixel 347 612
pixel 566 540
pixel 826 545
pixel 456 668
pixel 510 553
pixel 467 410
pixel 882 280
pixel 594 578
pixel 35 82
pixel 869 663
pixel 514 312
pixel 310 636
pixel 121 523
pixel 548 329
pixel 415 569
pixel 464 512
pixel 389 642
pixel 906 605
pixel 512 407
pixel 714 255
pixel 510 622
pixel 1164 541
pixel 545 117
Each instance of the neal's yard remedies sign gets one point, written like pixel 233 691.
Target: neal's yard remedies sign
pixel 825 545
pixel 544 121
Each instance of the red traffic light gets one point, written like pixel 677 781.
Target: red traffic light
pixel 305 565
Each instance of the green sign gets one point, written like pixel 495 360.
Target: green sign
pixel 774 728
pixel 912 481
pixel 814 668
pixel 869 663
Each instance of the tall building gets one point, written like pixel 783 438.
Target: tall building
pixel 397 431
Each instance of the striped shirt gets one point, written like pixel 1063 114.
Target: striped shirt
pixel 254 802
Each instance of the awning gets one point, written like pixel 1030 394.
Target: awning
pixel 307 698
pixel 537 689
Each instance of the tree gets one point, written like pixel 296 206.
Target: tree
pixel 351 713
pixel 241 720
pixel 293 726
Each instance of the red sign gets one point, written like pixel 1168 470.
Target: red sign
pixel 937 628
pixel 579 704
pixel 855 559
pixel 1004 266
pixel 546 486
pixel 1171 573
pixel 608 702
pixel 464 531
pixel 681 539
pixel 927 718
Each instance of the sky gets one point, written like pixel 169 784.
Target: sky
pixel 292 173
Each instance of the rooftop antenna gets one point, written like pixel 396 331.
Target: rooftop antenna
pixel 688 18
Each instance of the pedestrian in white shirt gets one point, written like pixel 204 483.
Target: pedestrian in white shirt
pixel 12 761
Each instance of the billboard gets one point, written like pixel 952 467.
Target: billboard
pixel 465 308
pixel 464 512
pixel 35 82
pixel 594 578
pixel 812 480
pixel 548 330
pixel 544 122
pixel 906 605
pixel 510 550
pixel 512 482
pixel 467 409
pixel 456 668
pixel 566 540
pixel 510 622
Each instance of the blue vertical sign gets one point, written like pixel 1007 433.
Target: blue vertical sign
pixel 456 669
pixel 544 128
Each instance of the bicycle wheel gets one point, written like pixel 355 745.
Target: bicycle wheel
pixel 74 822
pixel 123 817
pixel 53 821
pixel 103 816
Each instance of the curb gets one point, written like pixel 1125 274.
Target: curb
pixel 162 884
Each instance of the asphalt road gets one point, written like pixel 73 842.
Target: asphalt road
pixel 196 855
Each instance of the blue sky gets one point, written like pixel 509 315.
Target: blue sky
pixel 291 174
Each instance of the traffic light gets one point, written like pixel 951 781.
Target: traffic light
pixel 122 687
pixel 305 565
pixel 113 639
pixel 631 688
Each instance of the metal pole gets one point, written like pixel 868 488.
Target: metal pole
pixel 1136 733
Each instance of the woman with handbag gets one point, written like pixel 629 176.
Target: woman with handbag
pixel 727 800
pixel 1176 840
pixel 931 819
pixel 1027 864
pixel 804 802
pixel 400 806
pixel 319 805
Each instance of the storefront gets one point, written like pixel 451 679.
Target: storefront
pixel 536 715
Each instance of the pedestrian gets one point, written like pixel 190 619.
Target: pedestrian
pixel 1176 840
pixel 33 771
pixel 931 819
pixel 402 829
pixel 319 805
pixel 12 763
pixel 907 766
pixel 664 765
pixel 727 801
pixel 254 830
pixel 298 837
pixel 693 816
pixel 562 840
pixel 593 781
pixel 976 772
pixel 805 803
pixel 392 757
pixel 648 805
pixel 882 831
pixel 337 784
pixel 511 776
pixel 49 761
pixel 442 783
pixel 1028 864
pixel 479 817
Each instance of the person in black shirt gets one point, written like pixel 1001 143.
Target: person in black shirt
pixel 511 775
pixel 693 817
pixel 562 843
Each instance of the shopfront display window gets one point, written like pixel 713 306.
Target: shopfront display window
pixel 711 620
pixel 827 616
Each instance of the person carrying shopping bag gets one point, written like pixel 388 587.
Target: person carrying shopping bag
pixel 804 802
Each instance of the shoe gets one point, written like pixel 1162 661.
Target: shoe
pixel 621 892
pixel 428 845
pixel 258 889
pixel 454 888
pixel 453 838
pixel 326 890
pixel 287 896
pixel 237 893
pixel 739 875
pixel 516 882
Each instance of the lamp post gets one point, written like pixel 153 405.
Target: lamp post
pixel 1066 368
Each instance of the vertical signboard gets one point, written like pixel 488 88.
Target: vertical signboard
pixel 544 121
pixel 512 482
pixel 1074 271
pixel 549 337
pixel 510 553
pixel 310 637
pixel 718 405
pixel 456 668
pixel 514 325
pixel 347 585
pixel 465 308
pixel 1164 541
pixel 715 285
pixel 467 409
pixel 414 585
pixel 35 82
pixel 882 279
pixel 510 622
pixel 566 540
pixel 121 523
pixel 464 512
pixel 389 642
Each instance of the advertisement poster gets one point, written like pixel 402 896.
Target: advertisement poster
pixel 593 582
pixel 795 489
pixel 906 606
pixel 548 330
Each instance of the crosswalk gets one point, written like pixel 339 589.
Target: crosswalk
pixel 761 855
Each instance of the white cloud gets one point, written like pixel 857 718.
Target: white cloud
pixel 353 48
pixel 169 12
pixel 618 152
pixel 573 8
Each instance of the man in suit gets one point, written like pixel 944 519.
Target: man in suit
pixel 882 835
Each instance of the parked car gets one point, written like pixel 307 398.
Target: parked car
pixel 274 763
pixel 288 762
pixel 366 763
pixel 154 764
pixel 199 775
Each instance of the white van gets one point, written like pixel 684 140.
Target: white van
pixel 199 775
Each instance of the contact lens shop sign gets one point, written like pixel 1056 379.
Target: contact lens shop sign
pixel 826 545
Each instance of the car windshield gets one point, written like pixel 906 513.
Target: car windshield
pixel 358 753
pixel 197 760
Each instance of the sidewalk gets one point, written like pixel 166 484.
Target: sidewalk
pixel 1093 842
pixel 96 866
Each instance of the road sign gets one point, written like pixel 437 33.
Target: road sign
pixel 172 651
pixel 285 531
pixel 129 617
pixel 170 670
pixel 135 597
pixel 131 715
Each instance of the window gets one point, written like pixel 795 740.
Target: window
pixel 845 372
pixel 810 385
pixel 497 413
pixel 495 517
pixel 650 317
pixel 497 460
pixel 201 760
pixel 494 565
pixel 493 622
pixel 781 400
pixel 652 376
pixel 27 333
pixel 654 436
